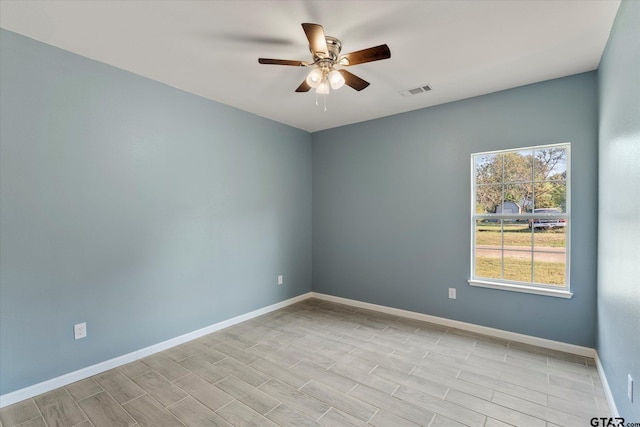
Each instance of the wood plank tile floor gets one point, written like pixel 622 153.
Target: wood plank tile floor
pixel 317 363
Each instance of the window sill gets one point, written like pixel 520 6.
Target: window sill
pixel 521 288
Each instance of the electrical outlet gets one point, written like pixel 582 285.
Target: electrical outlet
pixel 280 280
pixel 452 293
pixel 80 330
pixel 630 388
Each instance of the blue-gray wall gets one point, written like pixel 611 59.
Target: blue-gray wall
pixel 143 210
pixel 619 209
pixel 149 212
pixel 391 205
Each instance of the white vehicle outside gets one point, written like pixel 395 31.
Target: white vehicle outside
pixel 547 223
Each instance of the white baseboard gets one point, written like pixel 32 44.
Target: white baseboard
pixel 484 330
pixel 607 391
pixel 45 386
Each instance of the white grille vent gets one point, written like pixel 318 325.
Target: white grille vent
pixel 415 91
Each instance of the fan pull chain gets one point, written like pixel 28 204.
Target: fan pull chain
pixel 324 99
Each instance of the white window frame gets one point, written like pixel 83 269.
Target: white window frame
pixel 516 286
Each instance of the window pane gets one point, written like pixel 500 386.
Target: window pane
pixel 517 234
pixel 489 169
pixel 550 164
pixel 487 198
pixel 488 263
pixel 550 268
pixel 517 197
pixel 517 265
pixel 550 195
pixel 488 249
pixel 518 166
pixel 550 257
pixel 546 238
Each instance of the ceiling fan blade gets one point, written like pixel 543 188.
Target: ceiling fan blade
pixel 281 62
pixel 304 87
pixel 354 81
pixel 366 55
pixel 317 40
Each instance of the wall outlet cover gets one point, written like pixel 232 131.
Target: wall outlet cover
pixel 80 330
pixel 280 280
pixel 452 293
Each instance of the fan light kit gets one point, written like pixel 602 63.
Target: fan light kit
pixel 325 74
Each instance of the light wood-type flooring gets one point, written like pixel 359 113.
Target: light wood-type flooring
pixel 317 363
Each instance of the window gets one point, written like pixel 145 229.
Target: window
pixel 521 220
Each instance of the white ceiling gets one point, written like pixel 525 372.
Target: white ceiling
pixel 461 48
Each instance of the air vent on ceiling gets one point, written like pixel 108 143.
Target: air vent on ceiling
pixel 415 91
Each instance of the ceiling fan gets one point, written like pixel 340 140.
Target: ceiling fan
pixel 326 55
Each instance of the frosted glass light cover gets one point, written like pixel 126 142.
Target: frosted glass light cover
pixel 323 88
pixel 336 80
pixel 315 77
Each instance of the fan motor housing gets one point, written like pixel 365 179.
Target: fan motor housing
pixel 334 46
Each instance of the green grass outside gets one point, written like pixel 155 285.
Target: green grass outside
pixel 519 235
pixel 552 273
